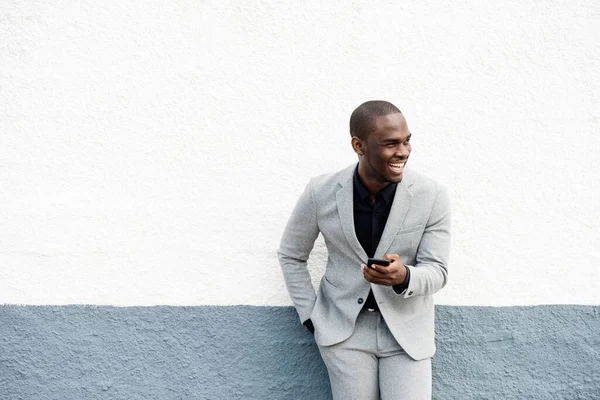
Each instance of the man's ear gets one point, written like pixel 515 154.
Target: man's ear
pixel 358 146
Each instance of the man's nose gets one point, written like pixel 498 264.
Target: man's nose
pixel 402 151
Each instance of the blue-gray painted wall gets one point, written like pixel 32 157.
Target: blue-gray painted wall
pixel 244 352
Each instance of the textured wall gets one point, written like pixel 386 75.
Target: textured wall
pixel 143 143
pixel 150 154
pixel 259 353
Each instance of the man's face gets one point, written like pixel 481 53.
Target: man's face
pixel 386 150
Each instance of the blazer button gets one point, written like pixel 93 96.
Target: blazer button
pixel 360 300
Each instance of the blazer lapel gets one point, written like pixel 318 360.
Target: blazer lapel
pixel 345 206
pixel 400 206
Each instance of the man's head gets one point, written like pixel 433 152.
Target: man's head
pixel 361 120
pixel 381 138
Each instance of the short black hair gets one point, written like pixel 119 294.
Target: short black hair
pixel 361 120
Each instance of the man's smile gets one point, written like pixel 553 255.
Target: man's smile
pixel 397 166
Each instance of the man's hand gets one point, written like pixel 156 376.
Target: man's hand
pixel 393 274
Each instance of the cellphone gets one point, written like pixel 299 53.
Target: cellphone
pixel 371 261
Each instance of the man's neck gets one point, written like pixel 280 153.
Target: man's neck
pixel 373 186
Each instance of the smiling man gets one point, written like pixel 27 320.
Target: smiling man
pixel 374 325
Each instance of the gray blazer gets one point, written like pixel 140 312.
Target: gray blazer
pixel 418 229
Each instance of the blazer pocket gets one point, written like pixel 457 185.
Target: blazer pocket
pixel 410 229
pixel 329 282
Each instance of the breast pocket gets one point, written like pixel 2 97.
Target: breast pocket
pixel 409 229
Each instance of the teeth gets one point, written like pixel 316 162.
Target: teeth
pixel 397 165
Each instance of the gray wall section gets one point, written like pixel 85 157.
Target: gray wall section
pixel 244 352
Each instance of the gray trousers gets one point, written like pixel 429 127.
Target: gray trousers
pixel 371 365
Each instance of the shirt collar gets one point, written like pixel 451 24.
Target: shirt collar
pixel 387 193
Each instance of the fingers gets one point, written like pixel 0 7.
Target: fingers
pixel 375 274
pixel 374 269
pixel 381 275
pixel 381 269
pixel 391 257
pixel 377 280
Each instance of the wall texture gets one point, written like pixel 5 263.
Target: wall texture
pixel 246 352
pixel 151 153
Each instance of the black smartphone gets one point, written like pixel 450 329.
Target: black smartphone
pixel 371 261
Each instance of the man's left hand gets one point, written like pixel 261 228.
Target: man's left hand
pixel 393 274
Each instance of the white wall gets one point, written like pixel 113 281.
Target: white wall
pixel 150 153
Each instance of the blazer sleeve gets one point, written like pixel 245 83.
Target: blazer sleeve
pixel 296 244
pixel 430 273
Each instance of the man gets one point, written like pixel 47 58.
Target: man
pixel 374 326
